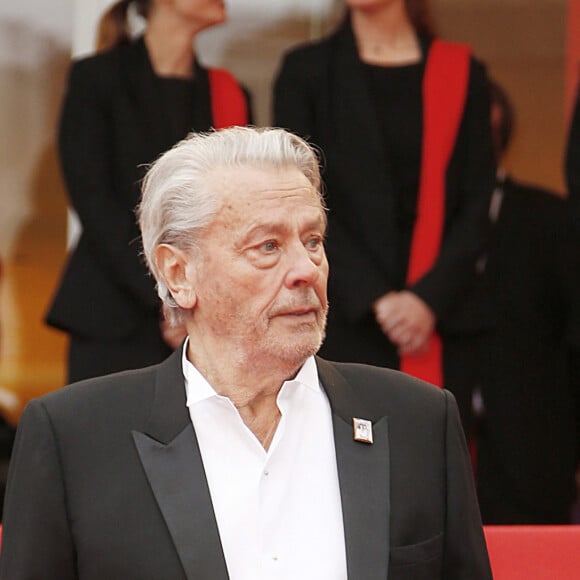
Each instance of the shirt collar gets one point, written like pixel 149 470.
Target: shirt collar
pixel 198 389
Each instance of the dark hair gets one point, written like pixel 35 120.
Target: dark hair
pixel 113 26
pixel 421 17
pixel 505 128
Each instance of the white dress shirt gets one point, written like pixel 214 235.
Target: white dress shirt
pixel 278 512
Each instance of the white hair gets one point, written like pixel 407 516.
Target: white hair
pixel 177 203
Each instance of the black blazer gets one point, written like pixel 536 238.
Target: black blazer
pixel 107 481
pixel 114 121
pixel 321 93
pixel 528 441
pixel 572 161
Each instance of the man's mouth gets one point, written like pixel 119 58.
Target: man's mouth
pixel 298 312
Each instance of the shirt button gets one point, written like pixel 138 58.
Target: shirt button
pixel 275 558
pixel 266 473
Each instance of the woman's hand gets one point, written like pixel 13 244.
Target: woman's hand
pixel 406 320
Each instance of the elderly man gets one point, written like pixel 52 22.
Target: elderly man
pixel 243 455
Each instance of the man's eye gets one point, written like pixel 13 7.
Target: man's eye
pixel 269 246
pixel 314 243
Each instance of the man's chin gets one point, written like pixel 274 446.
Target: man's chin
pixel 297 351
pixel 289 346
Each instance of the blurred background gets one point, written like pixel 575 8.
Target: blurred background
pixel 528 46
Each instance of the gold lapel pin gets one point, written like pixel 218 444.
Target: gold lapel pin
pixel 362 430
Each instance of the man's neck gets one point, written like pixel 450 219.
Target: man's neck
pixel 251 385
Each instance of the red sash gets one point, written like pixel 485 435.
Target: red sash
pixel 444 93
pixel 228 102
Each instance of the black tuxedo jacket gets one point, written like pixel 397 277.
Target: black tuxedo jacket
pixel 322 93
pixel 107 481
pixel 115 120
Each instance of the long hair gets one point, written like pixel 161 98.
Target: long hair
pixel 113 28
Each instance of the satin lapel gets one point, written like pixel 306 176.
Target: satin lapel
pixel 176 475
pixel 364 477
pixel 170 456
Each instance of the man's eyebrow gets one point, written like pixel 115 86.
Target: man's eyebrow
pixel 273 228
pixel 264 229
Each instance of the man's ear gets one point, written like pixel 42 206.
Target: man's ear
pixel 178 274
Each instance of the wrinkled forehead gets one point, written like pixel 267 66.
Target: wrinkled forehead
pixel 248 187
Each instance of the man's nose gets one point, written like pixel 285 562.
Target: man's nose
pixel 303 268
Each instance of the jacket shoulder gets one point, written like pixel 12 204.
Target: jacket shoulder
pixel 308 56
pixel 542 212
pixel 105 66
pixel 392 392
pixel 531 193
pixel 98 395
pixel 99 60
pixel 309 49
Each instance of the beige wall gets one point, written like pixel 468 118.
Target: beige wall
pixel 522 42
pixel 35 46
pixel 32 226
